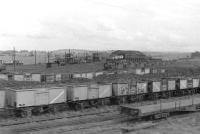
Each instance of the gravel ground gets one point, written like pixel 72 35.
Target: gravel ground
pixel 181 124
pixel 187 124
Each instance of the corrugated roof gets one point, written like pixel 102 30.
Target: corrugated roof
pixel 137 53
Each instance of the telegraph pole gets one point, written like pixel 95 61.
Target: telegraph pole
pixel 14 58
pixel 65 57
pixel 35 58
pixel 48 56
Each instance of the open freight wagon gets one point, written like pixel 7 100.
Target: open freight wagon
pixel 26 101
pixel 77 96
pixel 36 100
pixel 162 108
pixel 82 96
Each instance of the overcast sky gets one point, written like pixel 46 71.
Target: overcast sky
pixel 146 25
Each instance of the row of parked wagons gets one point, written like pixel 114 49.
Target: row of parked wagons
pixel 79 96
pixel 52 77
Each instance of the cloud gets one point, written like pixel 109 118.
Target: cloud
pixel 41 36
pixel 8 35
pixel 103 24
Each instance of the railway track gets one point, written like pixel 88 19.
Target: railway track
pixel 70 120
pixel 80 121
pixel 85 122
pixel 15 123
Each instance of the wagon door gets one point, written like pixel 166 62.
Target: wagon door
pixel 41 97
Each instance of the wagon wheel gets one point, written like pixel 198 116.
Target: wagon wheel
pixel 23 114
pixel 77 107
pixel 124 99
pixel 53 109
pixel 92 103
pixel 119 101
pixel 196 91
pixel 107 102
pixel 151 117
pixel 29 113
pixel 168 94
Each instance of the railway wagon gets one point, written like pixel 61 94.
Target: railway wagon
pixel 139 71
pixel 36 77
pixel 99 94
pixel 65 77
pixel 18 77
pixel 77 92
pixel 195 82
pixel 142 87
pixel 153 71
pixel 27 77
pixel 182 83
pixel 192 85
pixel 93 91
pixel 196 85
pixel 162 108
pixel 90 75
pixel 105 90
pixel 86 95
pixel 163 88
pixel 3 76
pixel 105 93
pixel 37 100
pixel 77 75
pixel 98 73
pixel 171 85
pixel 137 91
pixel 58 77
pixel 132 88
pixel 147 71
pixel 120 91
pixel 81 96
pixel 154 88
pixel 164 85
pixel 77 95
pixel 187 85
pixel 50 78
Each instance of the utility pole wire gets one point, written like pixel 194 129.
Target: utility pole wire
pixel 35 58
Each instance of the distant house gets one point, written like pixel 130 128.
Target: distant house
pixel 195 55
